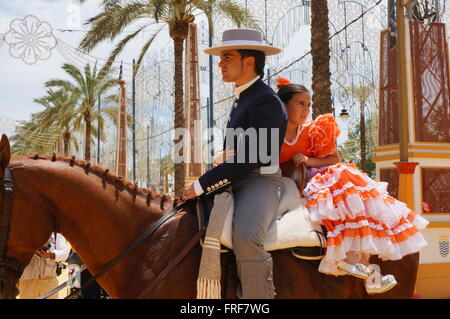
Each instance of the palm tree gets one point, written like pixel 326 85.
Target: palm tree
pixel 350 150
pixel 176 14
pixel 88 85
pixel 320 52
pixel 60 112
pixel 32 138
pixel 362 94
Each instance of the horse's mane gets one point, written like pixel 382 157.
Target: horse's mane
pixel 106 176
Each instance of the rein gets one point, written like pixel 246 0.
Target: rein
pixel 134 245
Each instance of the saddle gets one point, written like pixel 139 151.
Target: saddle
pixel 291 230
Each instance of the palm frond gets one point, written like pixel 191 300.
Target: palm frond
pixel 105 85
pixel 112 114
pixel 75 143
pixel 160 9
pixel 146 46
pixel 236 13
pixel 111 22
pixel 75 73
pixel 119 48
pixel 77 122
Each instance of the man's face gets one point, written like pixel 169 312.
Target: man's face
pixel 232 65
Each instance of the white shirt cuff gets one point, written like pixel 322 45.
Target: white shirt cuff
pixel 198 188
pixel 60 250
pixel 60 255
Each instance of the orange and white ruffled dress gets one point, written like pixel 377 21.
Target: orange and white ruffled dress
pixel 358 213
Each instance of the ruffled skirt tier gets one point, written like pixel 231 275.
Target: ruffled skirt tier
pixel 360 217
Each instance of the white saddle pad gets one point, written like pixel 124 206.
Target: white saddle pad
pixel 291 228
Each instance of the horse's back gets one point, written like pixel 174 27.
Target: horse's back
pixel 300 279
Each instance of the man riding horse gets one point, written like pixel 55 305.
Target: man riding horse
pixel 256 183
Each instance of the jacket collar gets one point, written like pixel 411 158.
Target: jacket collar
pixel 238 90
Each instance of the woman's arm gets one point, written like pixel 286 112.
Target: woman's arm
pixel 317 162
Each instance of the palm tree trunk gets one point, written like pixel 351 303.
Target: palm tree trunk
pixel 362 125
pixel 87 136
pixel 320 51
pixel 180 168
pixel 166 183
pixel 66 139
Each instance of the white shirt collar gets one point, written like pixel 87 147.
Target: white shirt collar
pixel 238 90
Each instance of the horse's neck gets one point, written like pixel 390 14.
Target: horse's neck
pixel 98 220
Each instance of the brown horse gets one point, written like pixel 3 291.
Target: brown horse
pixel 100 215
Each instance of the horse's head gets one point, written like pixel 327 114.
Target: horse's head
pixel 8 289
pixel 24 226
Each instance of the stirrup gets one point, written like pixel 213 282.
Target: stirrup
pixel 387 283
pixel 357 270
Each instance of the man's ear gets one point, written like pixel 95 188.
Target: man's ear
pixel 250 61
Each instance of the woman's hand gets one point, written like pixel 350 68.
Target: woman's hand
pixel 299 159
pixel 222 157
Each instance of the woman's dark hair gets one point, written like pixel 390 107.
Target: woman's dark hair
pixel 260 59
pixel 287 91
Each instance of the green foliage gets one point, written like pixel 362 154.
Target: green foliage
pixel 349 151
pixel 115 16
pixel 65 105
pixel 29 139
pixel 88 85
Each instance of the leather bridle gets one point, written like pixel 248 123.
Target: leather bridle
pixel 8 265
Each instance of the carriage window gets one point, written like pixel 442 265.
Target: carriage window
pixel 390 175
pixel 431 82
pixel 436 190
pixel 389 115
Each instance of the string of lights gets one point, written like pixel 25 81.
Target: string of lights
pixel 277 72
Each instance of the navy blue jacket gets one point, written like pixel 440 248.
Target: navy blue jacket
pixel 258 107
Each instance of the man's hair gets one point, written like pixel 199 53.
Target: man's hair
pixel 260 59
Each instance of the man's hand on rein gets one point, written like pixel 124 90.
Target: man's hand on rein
pixel 189 192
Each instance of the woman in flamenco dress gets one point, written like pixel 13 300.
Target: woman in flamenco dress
pixel 360 217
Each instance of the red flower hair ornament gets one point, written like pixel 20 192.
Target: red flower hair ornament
pixel 282 82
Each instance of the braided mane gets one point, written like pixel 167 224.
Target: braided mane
pixel 106 176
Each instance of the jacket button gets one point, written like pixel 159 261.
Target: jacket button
pixel 216 185
pixel 220 183
pixel 225 180
pixel 208 189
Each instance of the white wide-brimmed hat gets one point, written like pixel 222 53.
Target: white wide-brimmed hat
pixel 249 39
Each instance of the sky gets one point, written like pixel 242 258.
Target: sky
pixel 21 82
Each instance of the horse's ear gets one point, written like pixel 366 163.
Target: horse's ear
pixel 5 154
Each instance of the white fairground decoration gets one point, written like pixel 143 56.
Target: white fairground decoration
pixel 30 39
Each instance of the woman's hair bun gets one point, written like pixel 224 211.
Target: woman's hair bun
pixel 282 82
